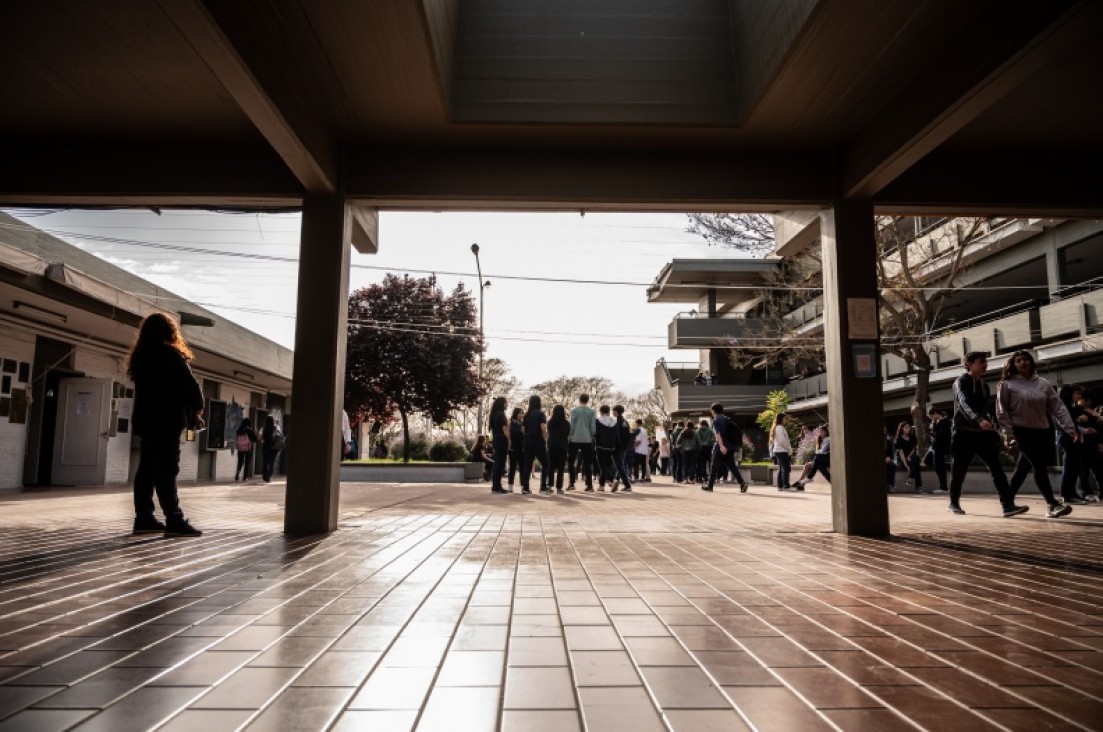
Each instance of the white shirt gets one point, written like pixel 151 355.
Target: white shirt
pixel 781 439
pixel 346 430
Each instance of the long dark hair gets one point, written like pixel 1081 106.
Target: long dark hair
pixel 245 426
pixel 534 404
pixel 1066 392
pixel 900 428
pixel 517 412
pixel 156 330
pixel 1009 369
pixel 559 414
pixel 499 405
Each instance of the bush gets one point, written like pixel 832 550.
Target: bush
pixel 419 448
pixel 447 451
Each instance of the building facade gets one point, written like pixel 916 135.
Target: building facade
pixel 67 320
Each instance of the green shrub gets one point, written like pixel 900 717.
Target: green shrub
pixel 419 448
pixel 447 451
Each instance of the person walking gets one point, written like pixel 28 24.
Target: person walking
pixel 167 399
pixel 580 443
pixel 559 431
pixel 535 425
pixel 243 442
pixel 516 444
pixel 642 447
pixel 1090 425
pixel 782 450
pixel 1025 402
pixel 272 442
pixel 821 460
pixel 1072 452
pixel 499 443
pixel 941 435
pixel 974 433
pixel 907 452
pixel 727 445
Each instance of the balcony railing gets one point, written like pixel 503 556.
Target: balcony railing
pixel 708 332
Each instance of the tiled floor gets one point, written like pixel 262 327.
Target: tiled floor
pixel 443 607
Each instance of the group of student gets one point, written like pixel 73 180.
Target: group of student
pixel 589 442
pixel 1026 409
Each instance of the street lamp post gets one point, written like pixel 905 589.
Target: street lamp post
pixel 482 345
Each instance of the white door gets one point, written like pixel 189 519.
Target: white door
pixel 80 446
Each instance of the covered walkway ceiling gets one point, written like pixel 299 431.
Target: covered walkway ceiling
pixel 640 104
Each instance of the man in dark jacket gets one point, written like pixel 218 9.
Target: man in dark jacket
pixel 974 433
pixel 167 398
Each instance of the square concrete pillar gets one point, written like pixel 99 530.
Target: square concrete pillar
pixel 318 377
pixel 851 334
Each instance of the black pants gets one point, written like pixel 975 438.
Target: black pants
pixel 784 468
pixel 1034 450
pixel 557 457
pixel 984 444
pixel 158 466
pixel 664 466
pixel 269 463
pixel 534 451
pixel 915 471
pixel 940 466
pixel 676 464
pixel 724 463
pixel 704 461
pixel 516 460
pixel 820 464
pixel 499 468
pixel 689 465
pixel 1071 456
pixel 611 466
pixel 584 452
pixel 244 460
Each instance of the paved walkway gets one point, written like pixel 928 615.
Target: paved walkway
pixel 442 607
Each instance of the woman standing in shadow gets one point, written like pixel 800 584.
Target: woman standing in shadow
pixel 167 399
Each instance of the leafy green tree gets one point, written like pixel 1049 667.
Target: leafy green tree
pixel 565 390
pixel 411 349
pixel 777 402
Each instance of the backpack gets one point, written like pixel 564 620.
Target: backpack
pixel 277 440
pixel 242 442
pixel 733 439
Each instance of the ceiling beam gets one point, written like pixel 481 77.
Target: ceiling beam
pixel 986 61
pixel 365 229
pixel 1033 183
pixel 412 178
pixel 81 173
pixel 294 133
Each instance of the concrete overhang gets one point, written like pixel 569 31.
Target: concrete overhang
pixel 689 280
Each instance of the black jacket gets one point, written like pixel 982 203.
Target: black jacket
pixel 971 403
pixel 941 433
pixel 166 394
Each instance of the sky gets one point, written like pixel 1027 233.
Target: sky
pixel 541 329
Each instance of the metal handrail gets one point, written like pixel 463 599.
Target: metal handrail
pixel 988 317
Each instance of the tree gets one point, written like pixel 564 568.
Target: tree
pixel 649 406
pixel 411 349
pixel 497 381
pixel 750 233
pixel 565 390
pixel 777 402
pixel 917 271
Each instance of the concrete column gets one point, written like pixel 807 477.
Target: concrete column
pixel 1056 269
pixel 859 500
pixel 318 378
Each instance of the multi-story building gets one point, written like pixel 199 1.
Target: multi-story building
pixel 1023 283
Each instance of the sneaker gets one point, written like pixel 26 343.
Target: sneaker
pixel 498 490
pixel 943 488
pixel 148 525
pixel 1057 510
pixel 1075 501
pixel 546 490
pixel 706 488
pixel 526 492
pixel 1015 511
pixel 570 486
pixel 559 491
pixel 921 490
pixel 1091 498
pixel 181 528
pixel 743 487
pixel 798 487
pixel 908 483
pixel 589 490
pixel 626 489
pixel 957 510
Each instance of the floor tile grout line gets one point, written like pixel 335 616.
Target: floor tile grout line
pixel 929 653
